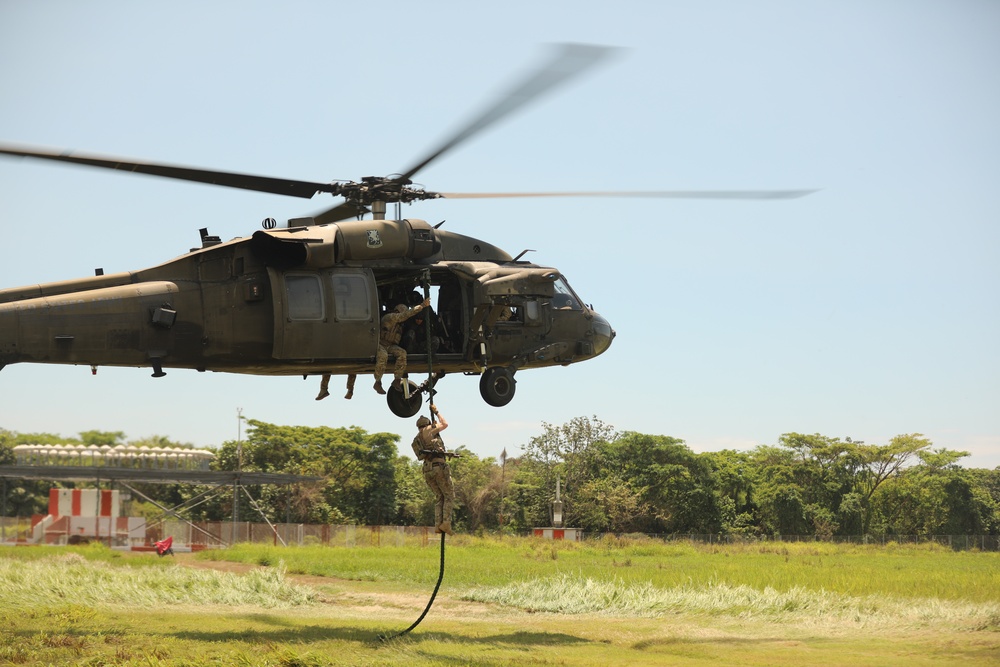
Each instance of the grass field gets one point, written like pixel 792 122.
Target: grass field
pixel 504 601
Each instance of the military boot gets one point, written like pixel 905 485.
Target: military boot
pixel 445 527
pixel 378 387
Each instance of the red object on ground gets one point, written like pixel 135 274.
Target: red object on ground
pixel 163 547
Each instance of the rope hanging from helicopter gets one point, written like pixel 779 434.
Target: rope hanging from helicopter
pixel 426 283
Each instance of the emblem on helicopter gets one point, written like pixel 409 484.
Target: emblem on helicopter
pixel 374 240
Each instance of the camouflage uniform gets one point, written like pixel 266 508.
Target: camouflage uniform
pixel 324 386
pixel 390 332
pixel 436 472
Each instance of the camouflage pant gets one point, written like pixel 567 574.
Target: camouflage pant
pixel 438 477
pixel 382 356
pixel 324 383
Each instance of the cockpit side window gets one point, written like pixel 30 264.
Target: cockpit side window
pixel 565 298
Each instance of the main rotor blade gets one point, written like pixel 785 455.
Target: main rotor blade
pixel 568 61
pixel 664 194
pixel 279 186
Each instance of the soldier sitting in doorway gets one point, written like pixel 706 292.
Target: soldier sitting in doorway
pixel 390 332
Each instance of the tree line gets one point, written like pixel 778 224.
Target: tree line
pixel 611 481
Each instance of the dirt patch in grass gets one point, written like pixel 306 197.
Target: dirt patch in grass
pixel 369 600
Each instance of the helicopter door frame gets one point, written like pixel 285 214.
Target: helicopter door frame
pixel 329 314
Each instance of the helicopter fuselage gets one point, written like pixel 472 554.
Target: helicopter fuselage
pixel 308 300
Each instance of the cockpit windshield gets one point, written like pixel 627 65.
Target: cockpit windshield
pixel 565 298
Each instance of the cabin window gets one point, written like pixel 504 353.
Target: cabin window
pixel 305 297
pixel 351 298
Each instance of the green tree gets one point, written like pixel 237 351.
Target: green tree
pixel 159 441
pixel 733 472
pixel 779 494
pixel 41 439
pixel 359 469
pixel 674 488
pixel 879 463
pixel 986 491
pixel 935 497
pixel 102 438
pixel 610 503
pixel 528 496
pixel 7 445
pixel 560 451
pixel 478 489
pixel 824 472
pixel 820 485
pixel 414 499
pixel 24 496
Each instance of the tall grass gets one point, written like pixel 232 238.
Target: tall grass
pixel 574 595
pixel 901 571
pixel 634 601
pixel 72 579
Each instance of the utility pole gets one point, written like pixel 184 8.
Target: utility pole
pixel 503 483
pixel 3 515
pixel 239 468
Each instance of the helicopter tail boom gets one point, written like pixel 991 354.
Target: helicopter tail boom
pixel 125 325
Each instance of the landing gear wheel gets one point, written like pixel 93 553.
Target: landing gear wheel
pixel 400 406
pixel 497 386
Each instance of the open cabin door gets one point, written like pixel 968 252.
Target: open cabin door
pixel 329 314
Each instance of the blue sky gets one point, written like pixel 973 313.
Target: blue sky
pixel 869 309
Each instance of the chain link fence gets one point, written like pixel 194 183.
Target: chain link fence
pixel 956 542
pixel 219 534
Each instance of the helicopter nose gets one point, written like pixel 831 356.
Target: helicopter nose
pixel 602 334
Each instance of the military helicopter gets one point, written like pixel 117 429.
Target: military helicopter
pixel 307 299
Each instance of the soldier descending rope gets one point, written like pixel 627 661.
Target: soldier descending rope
pixel 429 448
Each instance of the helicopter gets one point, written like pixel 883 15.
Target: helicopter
pixel 308 298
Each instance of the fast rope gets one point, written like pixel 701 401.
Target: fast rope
pixel 386 638
pixel 430 391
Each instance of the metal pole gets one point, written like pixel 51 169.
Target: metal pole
pixel 503 482
pixel 253 504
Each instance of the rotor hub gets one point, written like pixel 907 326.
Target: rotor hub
pixel 382 188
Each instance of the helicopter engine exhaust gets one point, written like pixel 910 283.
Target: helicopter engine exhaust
pixel 326 245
